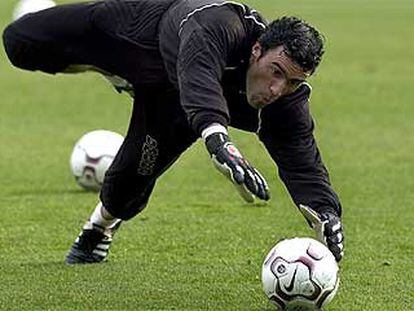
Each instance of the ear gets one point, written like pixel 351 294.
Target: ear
pixel 256 51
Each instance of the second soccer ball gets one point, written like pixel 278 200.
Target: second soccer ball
pixel 24 7
pixel 92 155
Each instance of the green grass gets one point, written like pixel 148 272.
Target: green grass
pixel 197 246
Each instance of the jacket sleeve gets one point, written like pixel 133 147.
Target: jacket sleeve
pixel 206 41
pixel 287 133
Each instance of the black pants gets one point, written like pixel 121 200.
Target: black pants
pixel 158 133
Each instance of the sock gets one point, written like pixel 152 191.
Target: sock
pixel 98 219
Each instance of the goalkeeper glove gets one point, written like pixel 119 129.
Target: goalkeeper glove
pixel 229 161
pixel 328 228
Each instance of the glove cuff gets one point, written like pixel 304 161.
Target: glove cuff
pixel 213 129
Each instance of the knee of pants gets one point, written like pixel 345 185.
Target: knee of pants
pixel 123 200
pixel 28 54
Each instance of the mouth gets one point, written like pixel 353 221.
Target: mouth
pixel 260 101
pixel 264 101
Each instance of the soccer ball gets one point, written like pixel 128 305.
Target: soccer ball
pixel 24 7
pixel 92 155
pixel 300 274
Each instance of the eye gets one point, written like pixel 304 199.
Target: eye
pixel 277 72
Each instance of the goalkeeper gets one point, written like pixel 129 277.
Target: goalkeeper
pixel 193 68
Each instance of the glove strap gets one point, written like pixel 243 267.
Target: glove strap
pixel 213 129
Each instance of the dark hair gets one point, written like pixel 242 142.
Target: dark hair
pixel 302 42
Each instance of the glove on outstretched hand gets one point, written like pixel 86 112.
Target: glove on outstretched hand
pixel 328 228
pixel 229 161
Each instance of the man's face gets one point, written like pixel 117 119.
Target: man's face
pixel 271 75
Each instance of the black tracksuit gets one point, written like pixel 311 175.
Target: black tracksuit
pixel 186 61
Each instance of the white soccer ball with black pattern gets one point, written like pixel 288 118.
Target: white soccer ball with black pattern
pixel 300 274
pixel 92 155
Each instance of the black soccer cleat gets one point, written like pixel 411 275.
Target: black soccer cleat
pixel 92 244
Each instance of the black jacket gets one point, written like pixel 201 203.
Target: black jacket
pixel 202 47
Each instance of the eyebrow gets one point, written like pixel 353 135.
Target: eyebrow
pixel 284 72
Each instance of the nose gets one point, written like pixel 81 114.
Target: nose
pixel 277 87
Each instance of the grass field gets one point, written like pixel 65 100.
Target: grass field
pixel 197 246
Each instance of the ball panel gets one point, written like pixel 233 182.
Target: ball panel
pixel 77 161
pixel 100 143
pixel 328 295
pixel 88 179
pixel 102 166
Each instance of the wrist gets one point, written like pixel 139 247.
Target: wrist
pixel 214 128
